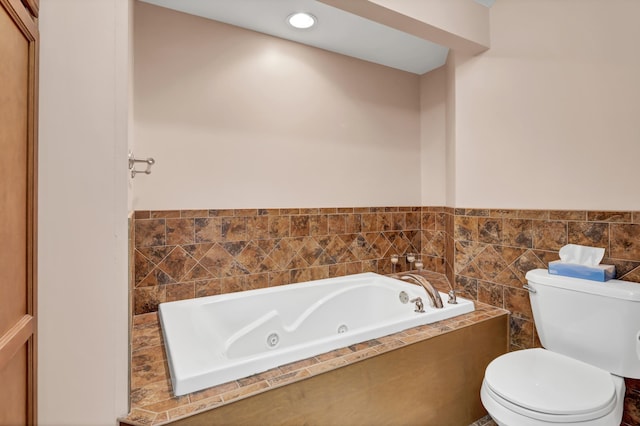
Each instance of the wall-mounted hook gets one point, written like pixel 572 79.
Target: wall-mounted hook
pixel 132 162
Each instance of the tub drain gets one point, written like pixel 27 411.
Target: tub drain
pixel 272 340
pixel 342 329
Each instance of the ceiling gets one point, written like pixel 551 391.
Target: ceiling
pixel 336 30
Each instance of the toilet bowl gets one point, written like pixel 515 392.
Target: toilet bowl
pixel 590 332
pixel 537 387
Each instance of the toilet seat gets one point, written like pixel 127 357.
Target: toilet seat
pixel 550 387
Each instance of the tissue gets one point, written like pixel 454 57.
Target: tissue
pixel 582 262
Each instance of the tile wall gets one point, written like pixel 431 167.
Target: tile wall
pixel 182 254
pixel 193 253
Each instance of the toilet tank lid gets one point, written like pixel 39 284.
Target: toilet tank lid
pixel 616 289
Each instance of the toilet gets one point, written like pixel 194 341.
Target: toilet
pixel 590 332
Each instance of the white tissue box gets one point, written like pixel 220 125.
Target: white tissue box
pixel 593 273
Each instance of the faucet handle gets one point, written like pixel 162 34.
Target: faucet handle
pixel 452 297
pixel 419 304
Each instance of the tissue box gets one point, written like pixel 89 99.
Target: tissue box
pixel 594 273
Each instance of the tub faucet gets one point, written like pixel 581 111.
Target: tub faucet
pixel 433 294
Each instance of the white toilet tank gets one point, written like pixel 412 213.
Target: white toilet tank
pixel 595 322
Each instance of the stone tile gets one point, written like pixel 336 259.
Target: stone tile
pixel 384 221
pixel 503 213
pixel 490 263
pixel 245 391
pixel 490 230
pixel 234 228
pixel 533 214
pixel 399 221
pixel 206 288
pixel 465 228
pixel 279 226
pixel 142 266
pixel 150 373
pixel 213 391
pixel 149 232
pixel 232 284
pixel 193 408
pixel 163 214
pixel 525 263
pixel 633 275
pixel 490 293
pixel 150 393
pixel 509 278
pixel 516 300
pixel 180 231
pixel 521 332
pixel 517 233
pixel 289 211
pixel 168 404
pixel 251 257
pixel 257 227
pixel 147 355
pixel 369 222
pixel 353 223
pixel 623 267
pixel 269 374
pixel 142 214
pixel 300 226
pixel 279 278
pixel 155 254
pixel 256 281
pixel 467 286
pixel 147 299
pixel 156 277
pixel 328 365
pixel 220 212
pixel 194 213
pixel 465 252
pixel 197 251
pixel 578 215
pixel 287 378
pixel 177 264
pixel 180 291
pixel 509 254
pixel 217 261
pixel 310 251
pixel 198 273
pixel 609 216
pixel 208 230
pixel 146 335
pixel 549 235
pixel 595 234
pixel 337 224
pixel 625 241
pixel 298 365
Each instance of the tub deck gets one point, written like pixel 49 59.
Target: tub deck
pixel 153 403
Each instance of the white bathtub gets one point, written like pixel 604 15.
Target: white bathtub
pixel 216 339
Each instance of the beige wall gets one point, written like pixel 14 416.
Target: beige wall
pixel 548 117
pixel 83 307
pixel 433 137
pixel 237 119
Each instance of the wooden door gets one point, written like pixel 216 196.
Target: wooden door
pixel 18 103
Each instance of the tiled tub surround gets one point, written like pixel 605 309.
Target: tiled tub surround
pixel 193 253
pixel 152 402
pixel 485 252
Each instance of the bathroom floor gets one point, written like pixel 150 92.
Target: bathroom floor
pixel 485 421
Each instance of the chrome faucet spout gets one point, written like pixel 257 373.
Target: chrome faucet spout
pixel 434 296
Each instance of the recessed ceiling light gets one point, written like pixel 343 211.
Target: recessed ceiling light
pixel 301 20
